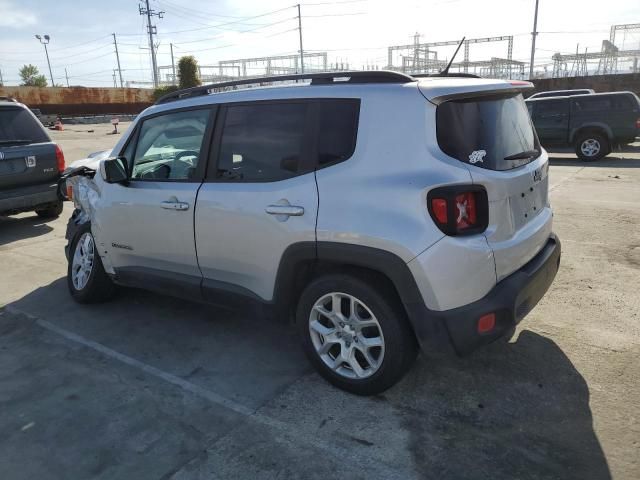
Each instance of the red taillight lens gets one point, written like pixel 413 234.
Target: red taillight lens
pixel 439 209
pixel 60 159
pixel 459 210
pixel 486 323
pixel 638 124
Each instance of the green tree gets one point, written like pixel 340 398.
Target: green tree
pixel 160 91
pixel 188 72
pixel 31 76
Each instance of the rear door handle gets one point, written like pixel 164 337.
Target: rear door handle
pixel 174 205
pixel 287 210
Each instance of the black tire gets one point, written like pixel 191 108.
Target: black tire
pixel 596 139
pixel 98 287
pixel 51 212
pixel 400 346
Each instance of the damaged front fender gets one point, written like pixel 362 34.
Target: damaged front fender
pixel 85 194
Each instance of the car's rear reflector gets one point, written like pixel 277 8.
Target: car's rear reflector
pixel 486 323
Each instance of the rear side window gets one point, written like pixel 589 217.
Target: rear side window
pixel 18 125
pixel 262 142
pixel 484 131
pixel 593 104
pixel 338 127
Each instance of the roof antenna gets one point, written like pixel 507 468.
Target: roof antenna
pixel 445 72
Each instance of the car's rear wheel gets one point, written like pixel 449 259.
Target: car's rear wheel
pixel 86 278
pixel 52 211
pixel 355 336
pixel 592 146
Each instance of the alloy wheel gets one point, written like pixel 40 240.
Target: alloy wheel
pixel 590 147
pixel 346 335
pixel 82 262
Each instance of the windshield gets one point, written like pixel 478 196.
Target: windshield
pixel 489 132
pixel 17 125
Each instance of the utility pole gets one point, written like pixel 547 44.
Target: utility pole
pixel 44 41
pixel 66 75
pixel 534 34
pixel 151 30
pixel 115 83
pixel 117 58
pixel 1 81
pixel 300 33
pixel 173 64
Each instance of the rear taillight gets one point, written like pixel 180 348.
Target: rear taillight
pixel 460 209
pixel 60 159
pixel 638 124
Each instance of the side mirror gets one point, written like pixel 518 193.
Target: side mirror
pixel 115 170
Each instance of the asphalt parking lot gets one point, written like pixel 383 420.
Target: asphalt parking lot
pixel 150 387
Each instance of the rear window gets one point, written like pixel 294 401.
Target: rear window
pixel 484 131
pixel 17 124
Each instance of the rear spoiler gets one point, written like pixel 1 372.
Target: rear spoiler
pixel 513 87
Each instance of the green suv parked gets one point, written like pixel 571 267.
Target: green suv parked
pixel 593 123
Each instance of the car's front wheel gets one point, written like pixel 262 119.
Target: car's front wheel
pixel 356 336
pixel 86 278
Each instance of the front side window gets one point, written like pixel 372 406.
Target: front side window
pixel 262 142
pixel 168 146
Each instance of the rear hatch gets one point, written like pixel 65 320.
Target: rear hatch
pixel 491 132
pixel 27 156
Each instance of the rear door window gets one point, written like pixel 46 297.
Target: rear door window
pixel 18 126
pixel 551 108
pixel 484 131
pixel 262 142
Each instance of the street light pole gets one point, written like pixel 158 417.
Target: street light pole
pixel 44 41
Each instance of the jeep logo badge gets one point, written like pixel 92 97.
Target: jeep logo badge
pixel 537 175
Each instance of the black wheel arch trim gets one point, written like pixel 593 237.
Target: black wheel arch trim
pixel 430 331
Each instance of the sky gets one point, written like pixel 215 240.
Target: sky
pixel 356 32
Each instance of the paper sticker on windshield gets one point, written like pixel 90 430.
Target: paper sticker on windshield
pixel 477 156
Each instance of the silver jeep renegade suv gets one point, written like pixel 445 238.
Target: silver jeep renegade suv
pixel 383 211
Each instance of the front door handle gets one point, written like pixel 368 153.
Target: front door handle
pixel 174 205
pixel 286 210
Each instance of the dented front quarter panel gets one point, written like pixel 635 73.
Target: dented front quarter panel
pixel 87 196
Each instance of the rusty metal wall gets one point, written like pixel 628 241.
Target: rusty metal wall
pixel 82 100
pixel 600 83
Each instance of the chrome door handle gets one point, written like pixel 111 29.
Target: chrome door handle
pixel 174 205
pixel 287 210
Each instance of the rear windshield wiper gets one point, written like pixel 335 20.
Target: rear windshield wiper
pixel 17 142
pixel 522 155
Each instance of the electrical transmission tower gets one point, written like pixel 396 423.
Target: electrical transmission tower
pixel 151 30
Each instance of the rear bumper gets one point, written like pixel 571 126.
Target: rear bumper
pixel 511 300
pixel 28 198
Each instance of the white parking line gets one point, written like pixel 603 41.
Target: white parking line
pixel 291 433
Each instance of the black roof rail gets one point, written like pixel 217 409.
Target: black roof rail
pixel 320 78
pixel 435 75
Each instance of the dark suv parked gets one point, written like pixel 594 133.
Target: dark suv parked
pixel 30 163
pixel 593 124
